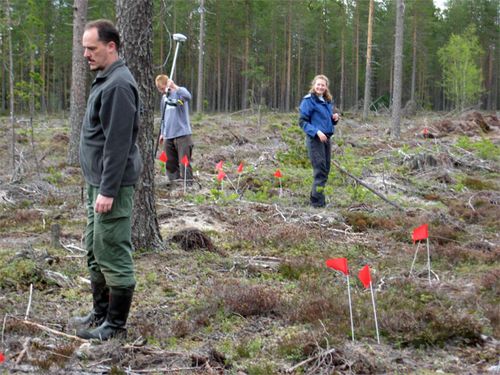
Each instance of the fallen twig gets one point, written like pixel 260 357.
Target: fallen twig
pixel 155 351
pixel 23 352
pixel 53 331
pixel 279 212
pixel 310 359
pixel 167 369
pixel 29 303
pixel 3 327
pixel 380 195
pixel 71 247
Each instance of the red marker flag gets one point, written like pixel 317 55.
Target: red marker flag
pixel 163 157
pixel 339 264
pixel 2 357
pixel 185 161
pixel 221 175
pixel 218 166
pixel 278 174
pixel 364 276
pixel 420 233
pixel 240 168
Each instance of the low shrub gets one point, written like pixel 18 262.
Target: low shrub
pixel 411 315
pixel 246 300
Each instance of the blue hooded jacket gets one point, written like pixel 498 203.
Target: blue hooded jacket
pixel 316 114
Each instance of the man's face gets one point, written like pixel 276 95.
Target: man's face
pixel 161 87
pixel 98 54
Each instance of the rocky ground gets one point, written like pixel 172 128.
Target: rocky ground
pixel 241 286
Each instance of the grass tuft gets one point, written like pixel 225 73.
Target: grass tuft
pixel 247 300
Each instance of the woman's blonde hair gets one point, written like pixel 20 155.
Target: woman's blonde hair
pixel 327 94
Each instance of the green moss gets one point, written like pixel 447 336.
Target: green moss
pixel 18 272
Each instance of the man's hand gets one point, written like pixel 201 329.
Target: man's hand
pixel 322 137
pixel 171 85
pixel 103 204
pixel 161 138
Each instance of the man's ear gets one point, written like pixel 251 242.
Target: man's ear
pixel 112 47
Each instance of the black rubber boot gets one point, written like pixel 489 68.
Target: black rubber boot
pixel 120 300
pixel 100 295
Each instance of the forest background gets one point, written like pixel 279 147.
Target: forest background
pixel 242 287
pixel 266 52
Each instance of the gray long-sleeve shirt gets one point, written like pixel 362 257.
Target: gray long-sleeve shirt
pixel 175 119
pixel 109 156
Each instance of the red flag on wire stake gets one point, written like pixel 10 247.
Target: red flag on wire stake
pixel 218 166
pixel 240 171
pixel 366 278
pixel 278 175
pixel 420 233
pixel 185 162
pixel 220 178
pixel 221 175
pixel 163 157
pixel 340 264
pixel 2 357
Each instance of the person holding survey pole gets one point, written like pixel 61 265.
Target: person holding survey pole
pixel 317 120
pixel 175 133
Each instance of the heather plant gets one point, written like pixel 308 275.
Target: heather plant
pixel 415 316
pixel 246 299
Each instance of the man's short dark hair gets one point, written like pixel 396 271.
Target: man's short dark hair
pixel 106 31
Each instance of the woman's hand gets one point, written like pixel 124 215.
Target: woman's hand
pixel 336 117
pixel 322 137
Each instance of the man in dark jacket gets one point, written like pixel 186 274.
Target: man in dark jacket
pixel 111 165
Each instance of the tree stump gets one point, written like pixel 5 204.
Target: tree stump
pixel 55 236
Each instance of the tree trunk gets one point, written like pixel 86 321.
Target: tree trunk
pixel 228 78
pixel 219 61
pixel 274 67
pixel 299 70
pixel 356 80
pixel 246 57
pixel 398 69
pixel 78 81
pixel 32 111
pixel 11 89
pixel 489 85
pixel 288 58
pixel 368 73
pixel 201 51
pixel 342 65
pixel 414 57
pixel 134 21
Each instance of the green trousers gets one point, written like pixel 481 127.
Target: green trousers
pixel 108 240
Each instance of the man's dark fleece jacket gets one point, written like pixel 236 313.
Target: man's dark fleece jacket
pixel 109 156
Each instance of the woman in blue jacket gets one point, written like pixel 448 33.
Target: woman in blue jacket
pixel 318 120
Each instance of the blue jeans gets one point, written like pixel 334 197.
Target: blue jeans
pixel 320 156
